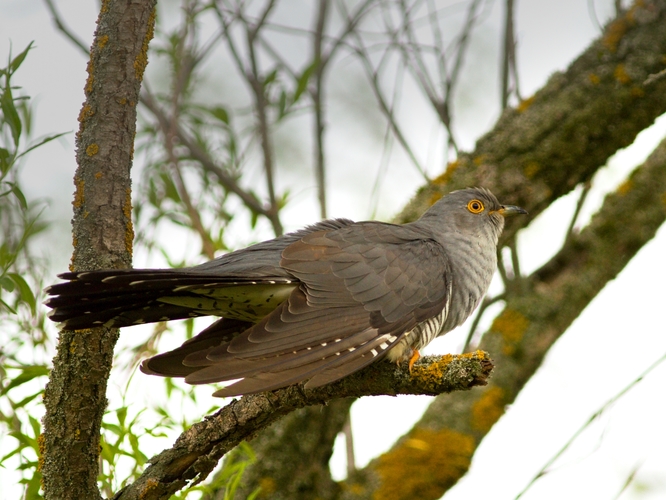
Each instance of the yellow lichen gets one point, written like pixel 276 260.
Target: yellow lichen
pixel 433 372
pixel 86 112
pixel 637 91
pixel 424 465
pixel 355 489
pixel 92 150
pixel 99 175
pixel 480 159
pixel 614 33
pixel 478 354
pixel 141 60
pixel 267 486
pixel 446 176
pixel 531 169
pixel 89 82
pixel 79 196
pixel 102 40
pixel 524 104
pixel 488 409
pixel 42 448
pixel 625 187
pixel 434 198
pixel 594 79
pixel 129 228
pixel 621 75
pixel 149 485
pixel 511 325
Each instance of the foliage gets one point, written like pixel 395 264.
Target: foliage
pixel 21 276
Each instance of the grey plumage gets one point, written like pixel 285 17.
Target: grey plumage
pixel 314 305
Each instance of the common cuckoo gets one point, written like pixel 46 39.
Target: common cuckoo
pixel 314 305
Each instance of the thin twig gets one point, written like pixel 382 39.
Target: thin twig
pixel 206 162
pixel 487 302
pixel 317 97
pixel 508 53
pixel 183 75
pixel 581 201
pixel 349 444
pixel 373 76
pixel 57 19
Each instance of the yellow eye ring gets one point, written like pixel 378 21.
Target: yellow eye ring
pixel 475 206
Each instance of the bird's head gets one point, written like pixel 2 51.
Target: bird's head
pixel 471 210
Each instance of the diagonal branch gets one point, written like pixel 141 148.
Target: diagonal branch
pixel 197 450
pixel 529 325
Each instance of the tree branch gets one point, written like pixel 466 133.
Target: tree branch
pixel 75 396
pixel 197 450
pixel 562 135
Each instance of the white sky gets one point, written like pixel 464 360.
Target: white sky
pixel 618 336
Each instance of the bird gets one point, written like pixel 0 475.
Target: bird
pixel 311 306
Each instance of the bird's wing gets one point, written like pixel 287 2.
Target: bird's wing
pixel 244 285
pixel 361 289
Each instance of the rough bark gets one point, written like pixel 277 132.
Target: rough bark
pixel 536 153
pixel 198 450
pixel 75 397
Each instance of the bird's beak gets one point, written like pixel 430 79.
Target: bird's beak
pixel 507 210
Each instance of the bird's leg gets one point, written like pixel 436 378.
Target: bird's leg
pixel 413 359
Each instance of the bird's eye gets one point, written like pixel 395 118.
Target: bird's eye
pixel 475 206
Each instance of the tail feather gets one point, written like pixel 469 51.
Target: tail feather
pixel 129 297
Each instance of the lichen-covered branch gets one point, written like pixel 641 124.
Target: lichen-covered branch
pixel 75 397
pixel 197 450
pixel 563 134
pixel 519 338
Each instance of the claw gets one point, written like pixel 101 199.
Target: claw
pixel 413 359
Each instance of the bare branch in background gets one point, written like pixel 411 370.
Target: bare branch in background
pixel 317 98
pixel 508 53
pixel 60 24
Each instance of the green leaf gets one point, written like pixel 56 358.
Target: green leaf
pixel 7 283
pixel 42 142
pixel 27 374
pixel 7 306
pixel 4 161
pixel 18 60
pixel 25 293
pixel 11 116
pixel 282 105
pixel 302 81
pixel 270 78
pixel 19 196
pixel 220 113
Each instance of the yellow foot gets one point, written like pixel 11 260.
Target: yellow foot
pixel 415 357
